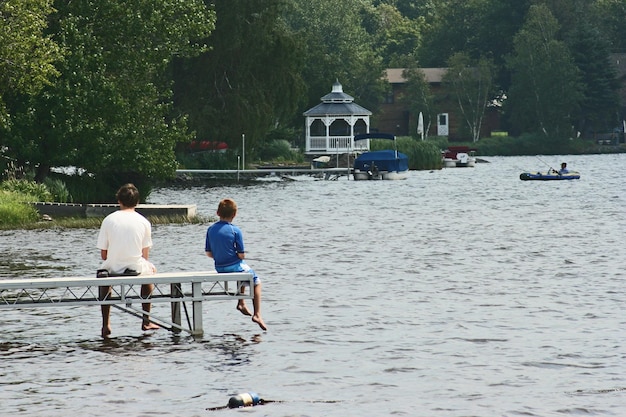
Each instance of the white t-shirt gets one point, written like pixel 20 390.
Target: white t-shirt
pixel 123 234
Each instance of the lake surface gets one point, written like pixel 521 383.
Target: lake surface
pixel 455 293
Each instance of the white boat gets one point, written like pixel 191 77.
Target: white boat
pixel 458 157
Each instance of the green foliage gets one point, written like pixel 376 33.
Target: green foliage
pixel 609 15
pixel 422 155
pixel 476 27
pixel 91 83
pixel 600 104
pixel 27 54
pixel 14 210
pixel 338 48
pixel 91 189
pixel 209 160
pixel 31 190
pixel 471 84
pixel 530 144
pixel 420 98
pixel 546 87
pixel 395 37
pixel 250 81
pixel 276 149
pixel 110 111
pixel 58 189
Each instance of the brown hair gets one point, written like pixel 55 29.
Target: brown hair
pixel 227 208
pixel 128 195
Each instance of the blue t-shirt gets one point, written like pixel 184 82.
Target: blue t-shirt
pixel 224 240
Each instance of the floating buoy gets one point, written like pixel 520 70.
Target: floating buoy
pixel 247 399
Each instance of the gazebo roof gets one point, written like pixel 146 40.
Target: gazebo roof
pixel 337 109
pixel 337 103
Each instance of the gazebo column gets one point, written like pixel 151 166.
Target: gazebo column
pixel 327 122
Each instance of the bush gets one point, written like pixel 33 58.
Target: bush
pixel 279 150
pixel 15 210
pixel 88 189
pixel 58 189
pixel 207 160
pixel 423 155
pixel 31 190
pixel 531 144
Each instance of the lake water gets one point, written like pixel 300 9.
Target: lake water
pixel 460 292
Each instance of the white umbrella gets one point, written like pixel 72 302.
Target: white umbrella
pixel 420 125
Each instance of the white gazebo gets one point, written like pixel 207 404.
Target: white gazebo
pixel 331 125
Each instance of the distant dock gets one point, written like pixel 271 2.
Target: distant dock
pixel 250 174
pixel 102 210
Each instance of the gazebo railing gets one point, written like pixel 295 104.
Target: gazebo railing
pixel 336 144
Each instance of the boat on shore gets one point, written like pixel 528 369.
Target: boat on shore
pixel 387 164
pixel 550 175
pixel 458 157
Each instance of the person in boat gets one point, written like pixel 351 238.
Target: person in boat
pixel 124 240
pixel 373 172
pixel 224 244
pixel 563 169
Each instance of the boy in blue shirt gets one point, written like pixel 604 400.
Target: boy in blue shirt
pixel 224 244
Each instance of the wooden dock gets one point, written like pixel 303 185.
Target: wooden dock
pixel 175 288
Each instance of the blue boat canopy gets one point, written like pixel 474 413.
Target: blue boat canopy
pixel 385 160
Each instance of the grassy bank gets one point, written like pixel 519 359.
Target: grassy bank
pixel 94 222
pixel 15 210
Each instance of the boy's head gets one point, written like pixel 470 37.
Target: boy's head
pixel 227 209
pixel 128 195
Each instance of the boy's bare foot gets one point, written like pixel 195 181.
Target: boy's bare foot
pixel 244 309
pixel 258 320
pixel 106 332
pixel 149 326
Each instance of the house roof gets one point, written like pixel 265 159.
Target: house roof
pixel 433 75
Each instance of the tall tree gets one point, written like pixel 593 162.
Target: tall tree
pixel 250 80
pixel 338 48
pixel 600 105
pixel 471 84
pixel 610 16
pixel 419 97
pixel 27 54
pixel 546 89
pixel 110 110
pixel 396 37
pixel 480 28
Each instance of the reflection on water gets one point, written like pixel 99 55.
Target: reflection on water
pixel 454 293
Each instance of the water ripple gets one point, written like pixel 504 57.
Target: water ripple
pixel 454 293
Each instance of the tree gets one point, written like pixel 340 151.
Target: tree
pixel 472 88
pixel 546 89
pixel 110 110
pixel 419 97
pixel 610 17
pixel 480 28
pixel 396 38
pixel 600 104
pixel 250 80
pixel 27 54
pixel 338 48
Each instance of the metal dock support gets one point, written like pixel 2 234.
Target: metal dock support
pixel 175 288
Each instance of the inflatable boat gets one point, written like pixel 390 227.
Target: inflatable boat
pixel 551 175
